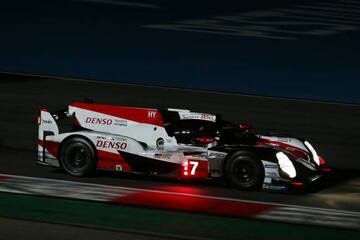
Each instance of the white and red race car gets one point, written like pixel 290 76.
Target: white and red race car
pixel 174 143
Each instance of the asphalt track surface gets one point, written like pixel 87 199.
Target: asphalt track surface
pixel 332 128
pixel 15 230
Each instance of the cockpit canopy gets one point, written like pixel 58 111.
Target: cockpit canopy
pixel 198 131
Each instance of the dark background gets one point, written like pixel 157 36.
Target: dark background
pixel 303 49
pixel 332 128
pixel 293 48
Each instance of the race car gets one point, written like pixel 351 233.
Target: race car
pixel 175 143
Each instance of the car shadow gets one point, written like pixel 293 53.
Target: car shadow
pixel 334 179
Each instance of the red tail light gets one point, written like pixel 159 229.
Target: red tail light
pixel 322 161
pixel 185 167
pixel 245 126
pixel 205 139
pixel 297 183
pixel 38 120
pixel 326 169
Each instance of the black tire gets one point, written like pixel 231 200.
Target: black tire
pixel 244 171
pixel 78 157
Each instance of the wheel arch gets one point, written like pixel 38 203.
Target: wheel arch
pixel 251 156
pixel 72 137
pixel 232 152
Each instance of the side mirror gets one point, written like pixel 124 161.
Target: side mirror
pixel 245 126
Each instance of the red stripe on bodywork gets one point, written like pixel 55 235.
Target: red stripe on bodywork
pixel 109 160
pixel 294 150
pixel 51 146
pixel 142 115
pixel 193 204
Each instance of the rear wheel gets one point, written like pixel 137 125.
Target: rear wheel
pixel 244 171
pixel 78 157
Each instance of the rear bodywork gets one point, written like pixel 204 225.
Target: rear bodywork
pixel 173 143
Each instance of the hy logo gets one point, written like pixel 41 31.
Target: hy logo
pixel 151 114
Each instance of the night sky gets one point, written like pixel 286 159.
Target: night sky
pixel 296 49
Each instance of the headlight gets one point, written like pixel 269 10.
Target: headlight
pixel 285 164
pixel 313 152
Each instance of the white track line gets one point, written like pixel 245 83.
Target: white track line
pixel 289 206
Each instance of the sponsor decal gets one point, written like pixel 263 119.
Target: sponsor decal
pixel 275 187
pixel 272 174
pixel 120 122
pixel 151 114
pixel 111 144
pixel 206 117
pixel 46 121
pixel 100 121
pixel 121 139
pixel 271 169
pixel 273 166
pixel 189 117
pixel 198 116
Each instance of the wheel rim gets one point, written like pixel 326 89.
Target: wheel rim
pixel 244 171
pixel 77 158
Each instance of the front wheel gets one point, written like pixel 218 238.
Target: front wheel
pixel 78 157
pixel 244 171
